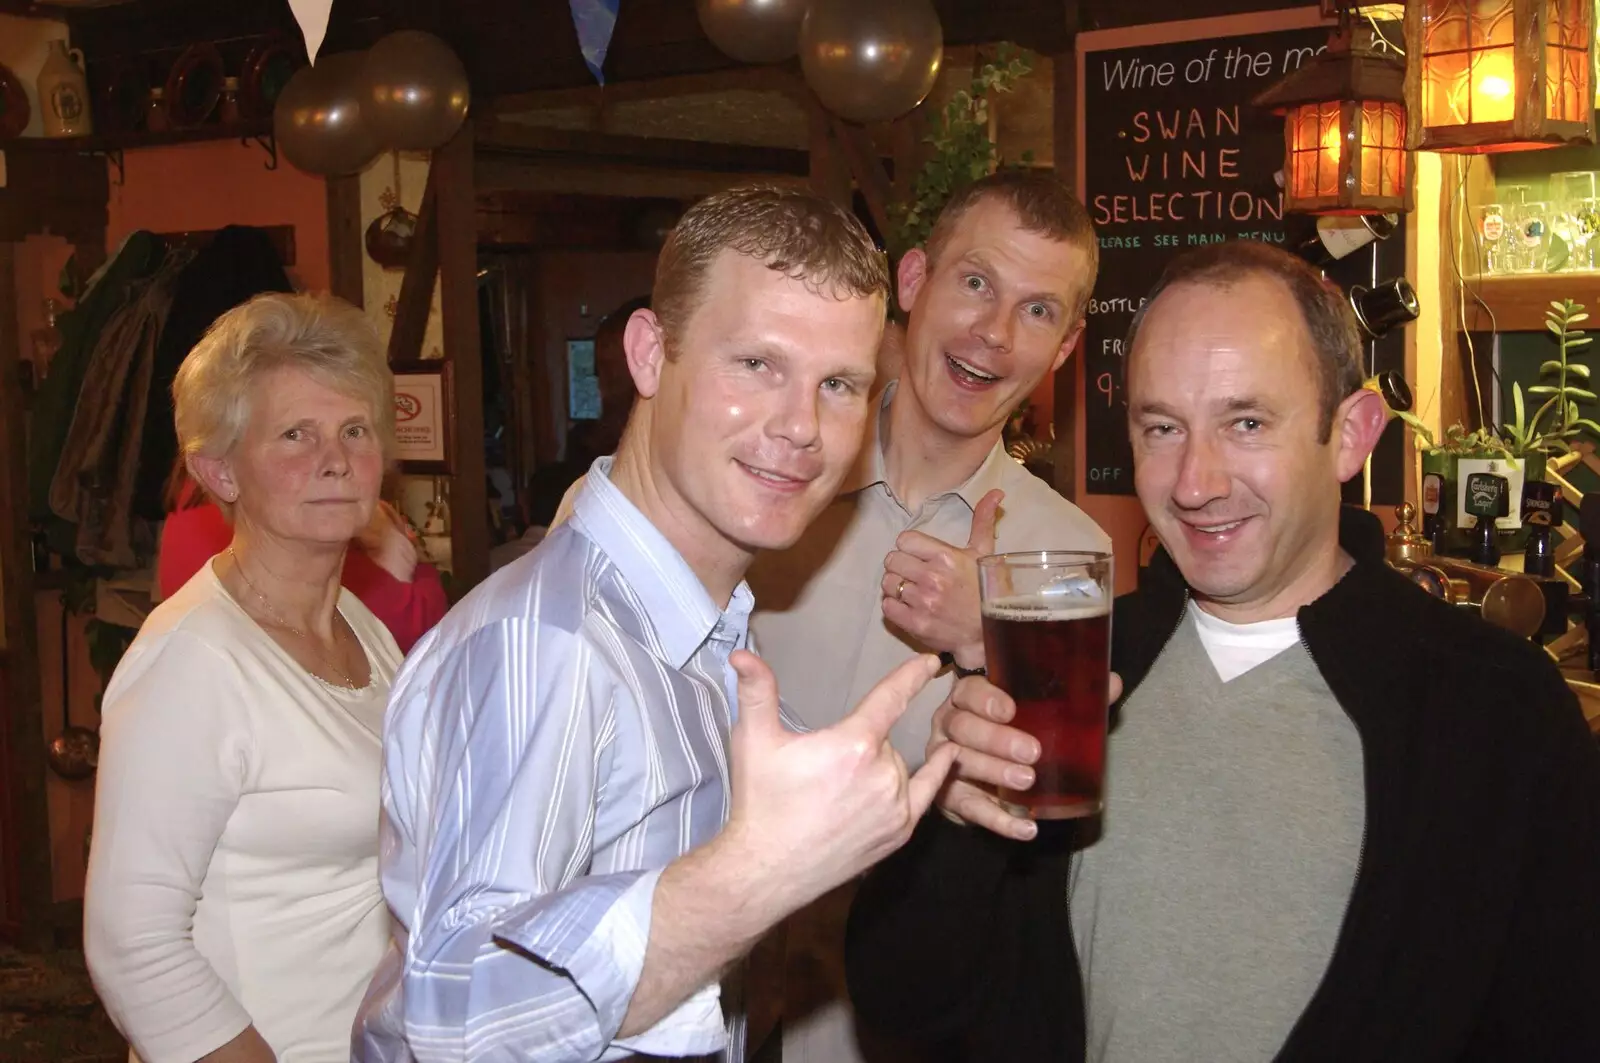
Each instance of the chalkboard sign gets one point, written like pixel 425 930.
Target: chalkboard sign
pixel 1173 156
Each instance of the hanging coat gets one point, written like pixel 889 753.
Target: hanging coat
pixel 240 262
pixel 94 482
pixel 139 257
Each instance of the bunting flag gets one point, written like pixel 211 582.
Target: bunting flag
pixel 594 20
pixel 312 16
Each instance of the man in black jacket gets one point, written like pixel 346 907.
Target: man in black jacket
pixel 1344 821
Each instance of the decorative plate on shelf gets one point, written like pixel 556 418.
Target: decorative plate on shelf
pixel 14 108
pixel 123 96
pixel 194 86
pixel 267 69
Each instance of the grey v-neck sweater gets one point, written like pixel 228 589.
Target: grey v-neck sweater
pixel 1206 915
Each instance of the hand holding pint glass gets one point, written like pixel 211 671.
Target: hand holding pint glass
pixel 1047 640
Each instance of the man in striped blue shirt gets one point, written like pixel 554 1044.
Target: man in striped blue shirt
pixel 592 809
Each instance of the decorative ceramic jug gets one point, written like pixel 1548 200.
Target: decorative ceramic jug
pixel 64 93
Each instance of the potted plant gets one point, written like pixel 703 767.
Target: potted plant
pixel 1565 393
pixel 1523 444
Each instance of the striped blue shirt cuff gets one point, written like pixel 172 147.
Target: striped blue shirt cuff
pixel 597 936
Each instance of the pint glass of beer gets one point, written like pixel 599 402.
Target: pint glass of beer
pixel 1047 637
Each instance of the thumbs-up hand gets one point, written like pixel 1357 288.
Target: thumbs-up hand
pixel 811 811
pixel 930 588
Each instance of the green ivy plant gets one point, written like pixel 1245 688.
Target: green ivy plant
pixel 962 150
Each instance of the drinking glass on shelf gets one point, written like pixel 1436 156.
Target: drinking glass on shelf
pixel 1586 252
pixel 1493 240
pixel 1530 237
pixel 1567 242
pixel 1572 186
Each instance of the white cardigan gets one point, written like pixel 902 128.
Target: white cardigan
pixel 233 877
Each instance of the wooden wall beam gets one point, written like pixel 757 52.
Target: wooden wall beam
pixel 512 286
pixel 830 174
pixel 458 288
pixel 29 812
pixel 861 158
pixel 1068 379
pixel 346 238
pixel 907 149
pixel 1466 180
pixel 416 287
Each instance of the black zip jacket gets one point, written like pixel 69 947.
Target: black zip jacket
pixel 1473 930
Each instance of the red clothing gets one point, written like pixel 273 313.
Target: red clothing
pixel 191 537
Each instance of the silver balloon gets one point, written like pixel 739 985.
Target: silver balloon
pixel 417 90
pixel 753 31
pixel 871 61
pixel 318 120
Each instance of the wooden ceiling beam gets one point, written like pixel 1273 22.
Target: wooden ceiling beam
pixel 503 173
pixel 524 46
pixel 571 222
pixel 498 136
pixel 784 79
pixel 143 27
pixel 1112 14
pixel 515 47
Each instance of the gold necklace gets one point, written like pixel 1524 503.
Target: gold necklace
pixel 278 618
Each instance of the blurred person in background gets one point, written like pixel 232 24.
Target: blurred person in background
pixel 588 440
pixel 385 570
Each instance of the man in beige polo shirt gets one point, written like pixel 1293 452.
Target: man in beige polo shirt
pixel 995 302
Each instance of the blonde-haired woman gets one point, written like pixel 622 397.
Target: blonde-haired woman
pixel 233 909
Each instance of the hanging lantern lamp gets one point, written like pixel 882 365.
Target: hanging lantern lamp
pixel 1499 75
pixel 1344 127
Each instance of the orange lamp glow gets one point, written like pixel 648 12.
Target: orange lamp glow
pixel 1499 75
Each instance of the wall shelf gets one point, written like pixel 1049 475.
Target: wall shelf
pixel 112 145
pixel 98 142
pixel 1519 301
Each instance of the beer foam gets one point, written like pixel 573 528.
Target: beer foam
pixel 1038 607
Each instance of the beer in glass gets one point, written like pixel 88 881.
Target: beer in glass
pixel 1047 639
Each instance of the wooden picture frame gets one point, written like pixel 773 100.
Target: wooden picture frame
pixel 423 423
pixel 583 386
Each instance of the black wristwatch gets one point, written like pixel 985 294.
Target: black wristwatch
pixel 948 660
